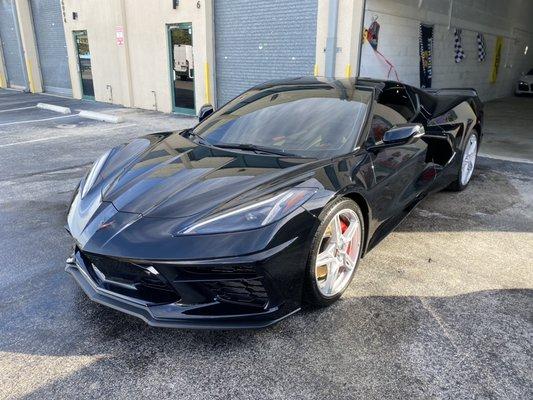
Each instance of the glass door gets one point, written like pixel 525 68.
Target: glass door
pixel 84 64
pixel 181 67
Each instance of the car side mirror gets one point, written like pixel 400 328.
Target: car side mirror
pixel 205 111
pixel 403 134
pixel 399 135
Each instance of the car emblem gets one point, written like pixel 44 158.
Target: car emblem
pixel 107 224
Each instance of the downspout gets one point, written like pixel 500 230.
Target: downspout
pixel 450 15
pixel 127 60
pixel 331 41
pixel 361 27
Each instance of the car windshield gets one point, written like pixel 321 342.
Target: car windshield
pixel 530 72
pixel 315 120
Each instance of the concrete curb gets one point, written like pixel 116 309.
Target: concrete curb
pixel 114 119
pixel 52 107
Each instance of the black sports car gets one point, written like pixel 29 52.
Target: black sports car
pixel 268 202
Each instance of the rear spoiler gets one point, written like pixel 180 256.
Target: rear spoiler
pixel 453 91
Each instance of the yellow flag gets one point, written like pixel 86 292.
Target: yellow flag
pixel 496 60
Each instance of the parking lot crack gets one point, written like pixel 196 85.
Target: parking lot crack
pixel 440 322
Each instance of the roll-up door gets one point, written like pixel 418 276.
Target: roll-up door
pixel 51 45
pixel 11 45
pixel 256 41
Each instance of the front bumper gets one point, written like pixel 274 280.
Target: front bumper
pixel 253 293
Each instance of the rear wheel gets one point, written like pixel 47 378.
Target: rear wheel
pixel 468 163
pixel 335 252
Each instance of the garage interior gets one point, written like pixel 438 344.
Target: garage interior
pixel 396 56
pixel 440 309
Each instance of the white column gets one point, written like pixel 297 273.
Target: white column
pixel 348 40
pixel 29 46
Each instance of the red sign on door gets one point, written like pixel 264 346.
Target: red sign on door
pixel 120 35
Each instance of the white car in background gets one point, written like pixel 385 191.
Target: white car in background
pixel 183 61
pixel 525 84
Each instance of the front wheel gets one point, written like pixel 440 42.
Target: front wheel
pixel 468 163
pixel 335 252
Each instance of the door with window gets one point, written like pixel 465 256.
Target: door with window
pixel 398 170
pixel 84 64
pixel 182 68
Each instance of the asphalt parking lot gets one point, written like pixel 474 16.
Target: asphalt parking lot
pixel 442 308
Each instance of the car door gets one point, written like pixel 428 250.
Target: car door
pixel 399 171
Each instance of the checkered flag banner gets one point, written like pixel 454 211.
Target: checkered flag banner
pixel 481 50
pixel 459 53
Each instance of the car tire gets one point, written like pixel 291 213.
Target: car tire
pixel 346 212
pixel 468 160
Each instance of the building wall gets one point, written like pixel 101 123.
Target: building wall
pixel 138 72
pixel 398 41
pixel 130 74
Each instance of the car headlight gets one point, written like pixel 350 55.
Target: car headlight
pixel 252 216
pixel 93 173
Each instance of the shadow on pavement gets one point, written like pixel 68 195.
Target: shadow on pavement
pixel 476 345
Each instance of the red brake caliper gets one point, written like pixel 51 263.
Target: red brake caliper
pixel 343 229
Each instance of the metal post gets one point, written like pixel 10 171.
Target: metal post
pixel 359 38
pixel 331 41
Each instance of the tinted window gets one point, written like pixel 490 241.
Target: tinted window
pixel 530 72
pixel 304 120
pixel 426 100
pixel 397 98
pixel 384 118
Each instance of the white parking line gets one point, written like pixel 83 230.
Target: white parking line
pixel 32 141
pixel 17 109
pixel 38 120
pixel 64 136
pixel 112 128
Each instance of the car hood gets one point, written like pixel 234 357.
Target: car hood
pixel 169 176
pixel 526 78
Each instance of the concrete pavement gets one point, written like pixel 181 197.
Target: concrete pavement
pixel 507 130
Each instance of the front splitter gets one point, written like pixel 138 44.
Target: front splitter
pixel 138 309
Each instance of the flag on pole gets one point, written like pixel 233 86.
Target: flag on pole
pixel 481 49
pixel 459 52
pixel 426 55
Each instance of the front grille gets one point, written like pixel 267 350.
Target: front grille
pixel 523 86
pixel 130 279
pixel 224 289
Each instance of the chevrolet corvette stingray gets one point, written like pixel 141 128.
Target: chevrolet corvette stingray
pixel 269 202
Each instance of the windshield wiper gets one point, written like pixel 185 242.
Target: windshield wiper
pixel 201 140
pixel 253 147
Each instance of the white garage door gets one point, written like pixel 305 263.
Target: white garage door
pixel 256 41
pixel 11 46
pixel 50 37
